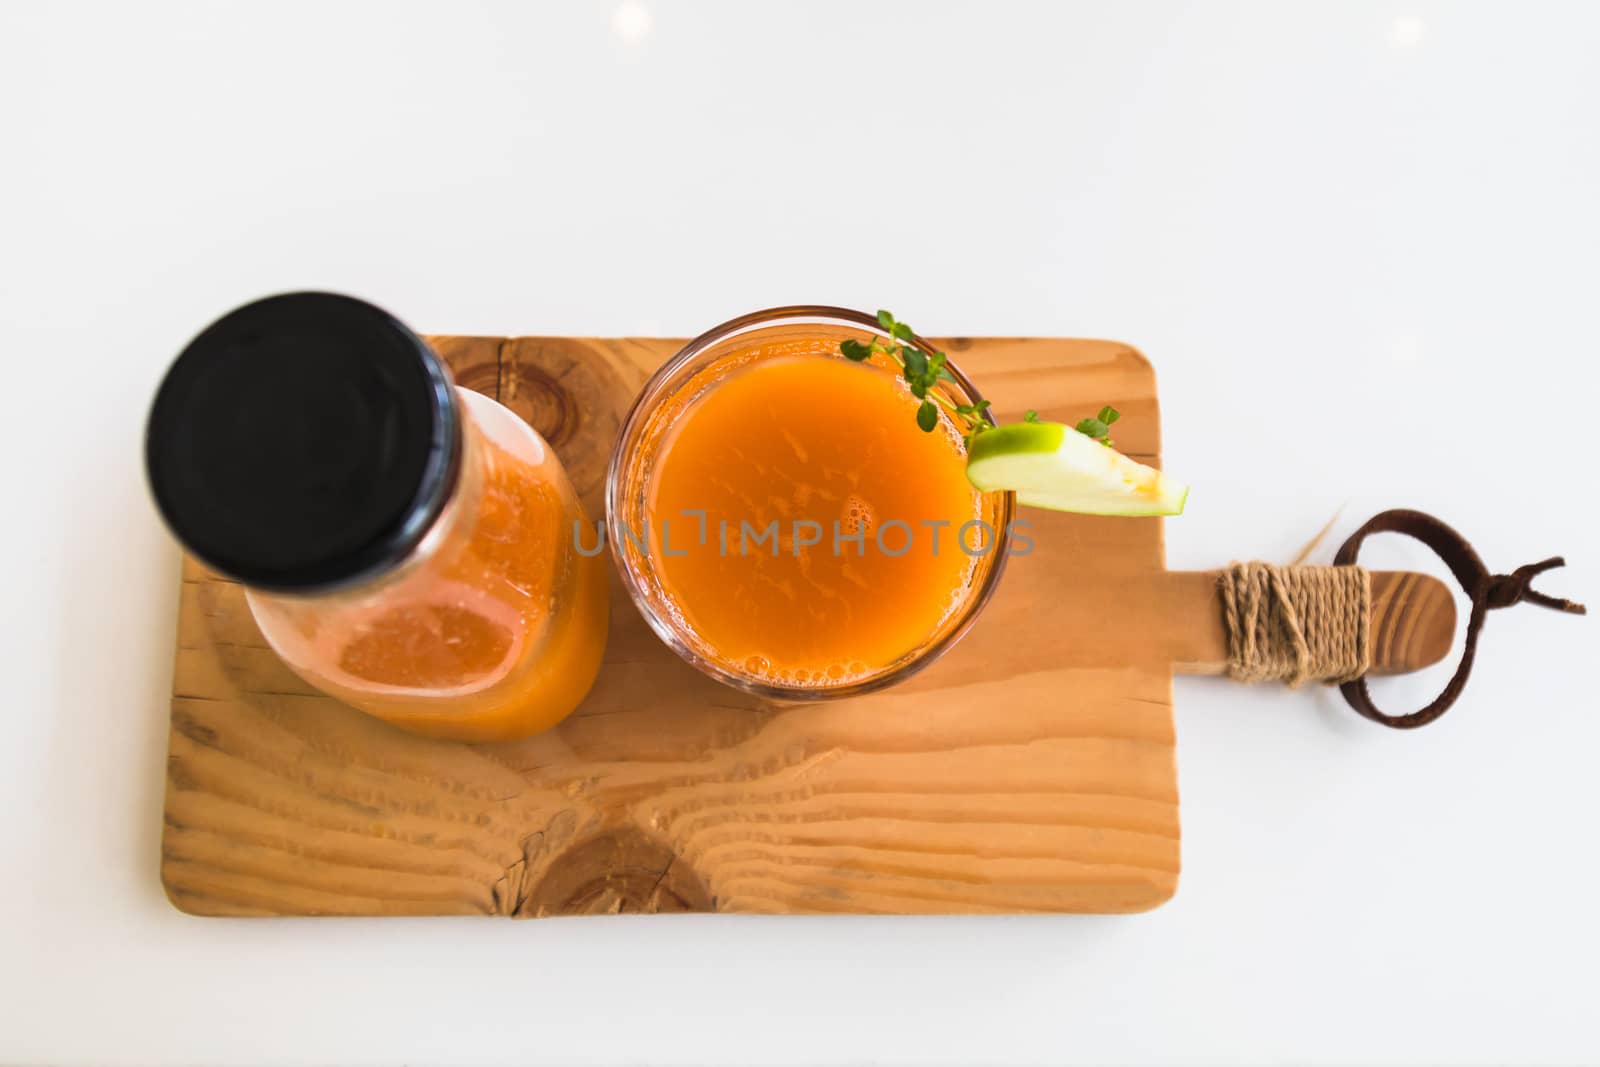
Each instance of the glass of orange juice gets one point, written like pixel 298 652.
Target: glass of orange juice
pixel 783 522
pixel 406 546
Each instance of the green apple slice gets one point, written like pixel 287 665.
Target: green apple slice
pixel 1052 465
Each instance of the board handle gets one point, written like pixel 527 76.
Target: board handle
pixel 1411 620
pixel 1343 623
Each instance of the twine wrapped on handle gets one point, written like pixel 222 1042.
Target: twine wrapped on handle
pixel 1299 624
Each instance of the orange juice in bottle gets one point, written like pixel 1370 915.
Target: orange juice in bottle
pixel 405 546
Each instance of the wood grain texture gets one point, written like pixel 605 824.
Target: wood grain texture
pixel 1031 769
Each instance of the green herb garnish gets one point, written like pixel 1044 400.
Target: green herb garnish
pixel 923 372
pixel 1099 427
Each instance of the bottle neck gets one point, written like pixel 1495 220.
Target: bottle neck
pixel 452 527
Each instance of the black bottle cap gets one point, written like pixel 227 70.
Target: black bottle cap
pixel 303 442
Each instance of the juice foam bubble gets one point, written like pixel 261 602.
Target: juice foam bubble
pixel 859 516
pixel 760 669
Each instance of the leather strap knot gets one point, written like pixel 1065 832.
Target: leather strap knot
pixel 1508 589
pixel 1487 591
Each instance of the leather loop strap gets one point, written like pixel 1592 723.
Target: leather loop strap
pixel 1486 591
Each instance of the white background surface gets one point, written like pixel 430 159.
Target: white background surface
pixel 1361 242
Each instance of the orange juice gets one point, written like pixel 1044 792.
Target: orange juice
pixel 807 531
pixel 495 631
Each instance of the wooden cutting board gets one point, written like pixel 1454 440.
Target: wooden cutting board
pixel 1030 770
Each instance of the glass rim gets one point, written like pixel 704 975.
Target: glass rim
pixel 650 397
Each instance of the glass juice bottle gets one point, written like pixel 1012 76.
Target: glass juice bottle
pixel 406 546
